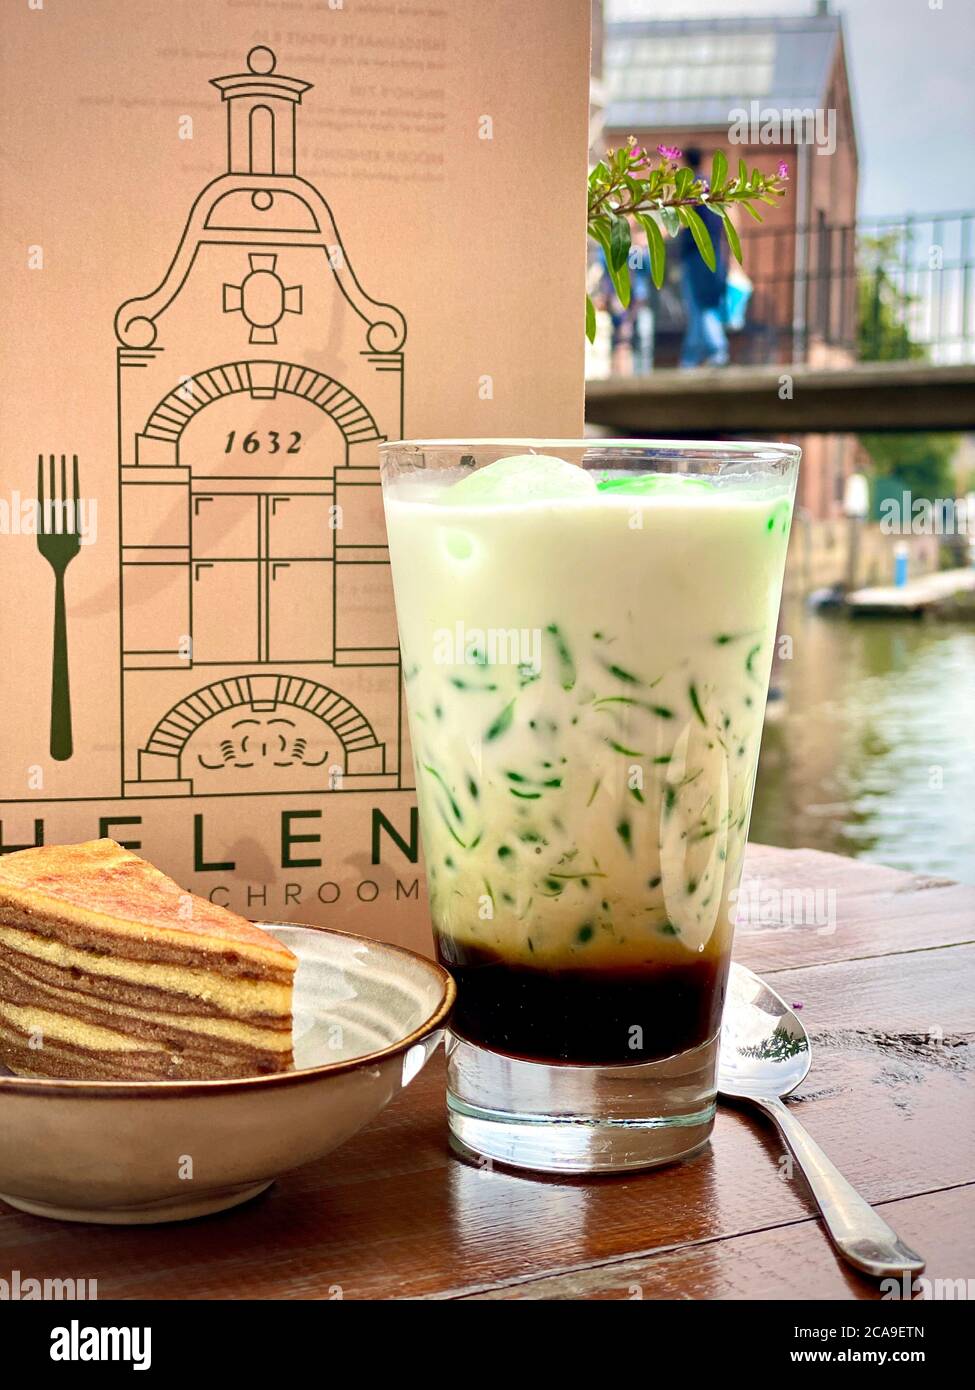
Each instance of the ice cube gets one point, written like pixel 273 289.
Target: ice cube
pixel 522 478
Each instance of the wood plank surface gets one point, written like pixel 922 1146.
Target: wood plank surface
pixel 786 1262
pixel 889 998
pixel 875 910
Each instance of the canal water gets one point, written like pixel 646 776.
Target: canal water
pixel 870 751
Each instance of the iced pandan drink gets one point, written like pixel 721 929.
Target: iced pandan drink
pixel 586 652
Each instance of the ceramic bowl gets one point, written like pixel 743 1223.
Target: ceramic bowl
pixel 367 1017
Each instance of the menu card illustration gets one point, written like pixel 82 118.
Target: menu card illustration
pixel 253 386
pixel 241 253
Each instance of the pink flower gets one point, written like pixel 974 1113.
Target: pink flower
pixel 669 151
pixel 638 155
pixel 783 171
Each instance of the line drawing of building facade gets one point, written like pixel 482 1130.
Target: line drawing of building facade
pixel 258 638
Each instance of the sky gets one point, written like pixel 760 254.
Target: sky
pixel 911 71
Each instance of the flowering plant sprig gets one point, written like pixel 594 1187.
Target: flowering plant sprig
pixel 662 197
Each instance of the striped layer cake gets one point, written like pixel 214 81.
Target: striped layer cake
pixel 110 971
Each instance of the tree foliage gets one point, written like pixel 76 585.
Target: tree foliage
pixel 920 461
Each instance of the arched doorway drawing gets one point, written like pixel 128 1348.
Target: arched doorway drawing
pixel 263 381
pixel 261 733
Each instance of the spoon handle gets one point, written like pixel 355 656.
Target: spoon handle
pixel 860 1234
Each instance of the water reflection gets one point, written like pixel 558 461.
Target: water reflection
pixel 871 750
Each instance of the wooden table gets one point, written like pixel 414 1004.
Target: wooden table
pixel 889 997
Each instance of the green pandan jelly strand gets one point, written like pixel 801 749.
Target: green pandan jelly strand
pixel 567 665
pixel 459 683
pixel 621 674
pixel 502 724
pixel 455 808
pixel 696 703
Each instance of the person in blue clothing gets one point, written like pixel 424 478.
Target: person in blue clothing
pixel 642 304
pixel 705 341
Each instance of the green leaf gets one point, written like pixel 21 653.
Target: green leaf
pixel 671 221
pixel 655 243
pixel 742 174
pixel 731 232
pixel 682 181
pixel 590 320
pixel 702 238
pixel 719 169
pixel 752 212
pixel 619 242
pixel 620 276
pixel 599 231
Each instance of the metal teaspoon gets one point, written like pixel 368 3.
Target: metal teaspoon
pixel 765 1055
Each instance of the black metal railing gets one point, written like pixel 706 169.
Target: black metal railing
pixel 884 289
pixel 890 288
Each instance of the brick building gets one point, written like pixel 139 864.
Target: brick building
pixel 765 90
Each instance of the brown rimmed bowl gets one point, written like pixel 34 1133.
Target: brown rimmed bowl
pixel 367 1018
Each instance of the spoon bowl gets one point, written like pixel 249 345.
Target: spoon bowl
pixel 764 1047
pixel 765 1055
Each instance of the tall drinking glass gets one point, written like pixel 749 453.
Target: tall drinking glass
pixel 587 630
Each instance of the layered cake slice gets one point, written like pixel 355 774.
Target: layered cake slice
pixel 110 971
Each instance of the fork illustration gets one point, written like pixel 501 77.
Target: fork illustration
pixel 58 540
